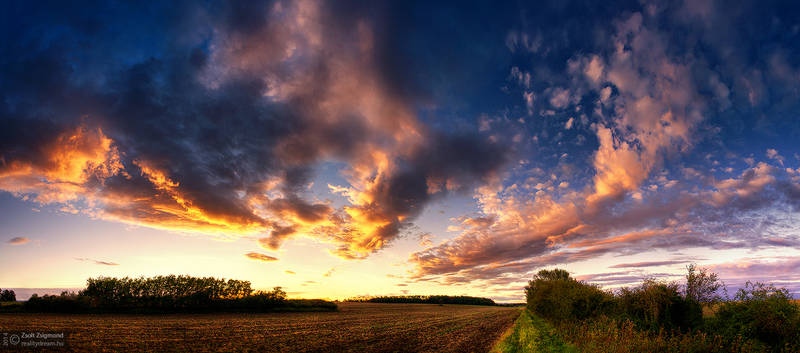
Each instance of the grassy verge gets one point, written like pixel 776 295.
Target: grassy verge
pixel 531 334
pixel 606 335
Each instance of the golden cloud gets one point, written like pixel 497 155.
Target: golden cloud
pixel 260 257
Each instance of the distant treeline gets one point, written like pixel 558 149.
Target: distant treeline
pixel 427 299
pixel 665 316
pixel 171 294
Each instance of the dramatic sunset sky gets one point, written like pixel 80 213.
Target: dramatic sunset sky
pixel 357 148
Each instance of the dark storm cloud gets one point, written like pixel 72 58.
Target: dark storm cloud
pixel 198 113
pixel 460 161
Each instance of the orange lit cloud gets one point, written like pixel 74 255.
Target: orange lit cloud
pixel 650 116
pixel 62 169
pixel 260 257
pixel 226 141
pixel 166 206
pixel 357 117
pixel 18 241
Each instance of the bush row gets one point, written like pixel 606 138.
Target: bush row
pixel 758 316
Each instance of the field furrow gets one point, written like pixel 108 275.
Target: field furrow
pixel 357 327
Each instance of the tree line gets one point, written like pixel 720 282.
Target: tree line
pixel 759 317
pixel 427 299
pixel 171 294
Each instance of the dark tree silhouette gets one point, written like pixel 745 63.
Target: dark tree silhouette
pixel 172 294
pixel 8 295
pixel 702 285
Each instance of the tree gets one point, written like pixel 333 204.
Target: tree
pixel 702 285
pixel 8 296
pixel 552 275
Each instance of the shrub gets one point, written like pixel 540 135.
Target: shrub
pixel 656 316
pixel 654 305
pixel 554 295
pixel 761 312
pixel 605 334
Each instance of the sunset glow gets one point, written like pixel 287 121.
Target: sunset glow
pixel 341 150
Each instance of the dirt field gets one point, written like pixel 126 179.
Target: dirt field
pixel 357 327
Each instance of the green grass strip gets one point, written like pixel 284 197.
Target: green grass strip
pixel 531 334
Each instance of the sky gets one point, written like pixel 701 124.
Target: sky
pixel 346 148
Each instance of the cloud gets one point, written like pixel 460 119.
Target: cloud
pixel 773 154
pixel 217 117
pixel 530 99
pixel 97 262
pixel 288 272
pixel 624 278
pixel 526 235
pixel 329 272
pixel 559 98
pixel 649 264
pixel 221 129
pixel 651 119
pixel 569 123
pixel 18 241
pixel 425 239
pixel 778 269
pixel 260 257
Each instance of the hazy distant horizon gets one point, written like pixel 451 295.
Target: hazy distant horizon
pixel 25 293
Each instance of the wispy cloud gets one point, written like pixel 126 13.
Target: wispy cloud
pixel 97 262
pixel 18 241
pixel 649 264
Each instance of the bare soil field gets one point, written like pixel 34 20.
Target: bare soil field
pixel 357 327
